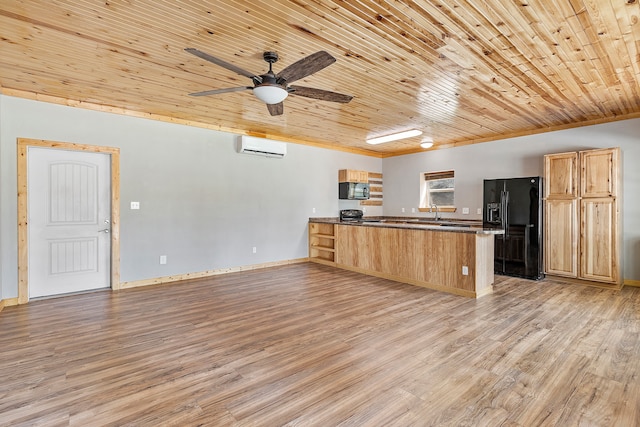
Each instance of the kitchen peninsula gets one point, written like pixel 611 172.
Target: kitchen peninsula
pixel 448 256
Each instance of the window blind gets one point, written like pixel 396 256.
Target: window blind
pixel 430 176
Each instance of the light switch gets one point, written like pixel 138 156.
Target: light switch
pixel 465 270
pixel 135 205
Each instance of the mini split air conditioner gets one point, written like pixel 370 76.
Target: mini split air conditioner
pixel 261 147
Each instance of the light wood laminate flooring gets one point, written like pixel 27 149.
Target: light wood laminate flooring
pixel 311 345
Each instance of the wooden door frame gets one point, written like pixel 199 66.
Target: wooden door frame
pixel 23 214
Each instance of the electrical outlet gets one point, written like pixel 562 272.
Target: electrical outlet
pixel 479 211
pixel 465 211
pixel 135 205
pixel 163 259
pixel 465 270
pixel 313 210
pixel 413 210
pixel 255 249
pixel 402 210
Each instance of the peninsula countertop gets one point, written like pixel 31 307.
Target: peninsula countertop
pixel 454 256
pixel 447 225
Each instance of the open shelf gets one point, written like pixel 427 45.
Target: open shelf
pixel 324 236
pixel 323 248
pixel 322 243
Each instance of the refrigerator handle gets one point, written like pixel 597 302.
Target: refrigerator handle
pixel 502 209
pixel 504 201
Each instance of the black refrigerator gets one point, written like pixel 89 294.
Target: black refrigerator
pixel 515 205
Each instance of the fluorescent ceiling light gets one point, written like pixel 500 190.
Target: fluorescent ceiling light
pixel 270 94
pixel 394 137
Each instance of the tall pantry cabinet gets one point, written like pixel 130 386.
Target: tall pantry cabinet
pixel 583 233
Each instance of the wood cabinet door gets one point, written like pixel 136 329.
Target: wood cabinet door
pixel 350 175
pixel 598 240
pixel 561 175
pixel 599 172
pixel 561 237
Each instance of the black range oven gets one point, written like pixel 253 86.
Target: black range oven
pixel 351 215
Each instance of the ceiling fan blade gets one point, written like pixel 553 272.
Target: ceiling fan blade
pixel 323 95
pixel 276 109
pixel 306 66
pixel 217 91
pixel 220 62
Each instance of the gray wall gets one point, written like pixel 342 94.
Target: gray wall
pixel 203 205
pixel 518 157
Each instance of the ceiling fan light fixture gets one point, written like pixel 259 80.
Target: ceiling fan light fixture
pixel 270 94
pixel 394 137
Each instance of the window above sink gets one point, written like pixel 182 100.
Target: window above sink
pixel 437 189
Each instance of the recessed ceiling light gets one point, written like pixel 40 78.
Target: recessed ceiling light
pixel 394 137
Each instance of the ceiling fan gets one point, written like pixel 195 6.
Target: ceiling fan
pixel 272 88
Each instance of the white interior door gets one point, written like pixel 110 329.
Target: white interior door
pixel 69 211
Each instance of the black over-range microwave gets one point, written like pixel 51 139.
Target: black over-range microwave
pixel 353 191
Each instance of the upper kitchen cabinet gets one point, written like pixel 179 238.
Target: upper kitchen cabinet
pixel 599 172
pixel 350 175
pixel 561 175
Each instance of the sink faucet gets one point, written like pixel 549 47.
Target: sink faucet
pixel 431 210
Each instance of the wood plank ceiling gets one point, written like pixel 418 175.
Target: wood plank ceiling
pixel 462 71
